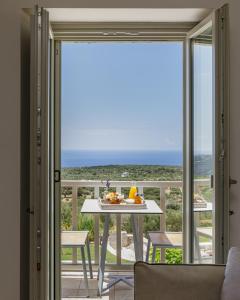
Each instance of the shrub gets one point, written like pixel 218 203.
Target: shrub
pixel 174 220
pixel 151 223
pixel 66 216
pixel 172 256
pixel 86 222
pixel 174 206
pixel 126 224
pixel 66 191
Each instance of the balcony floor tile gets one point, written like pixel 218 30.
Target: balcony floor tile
pixel 73 288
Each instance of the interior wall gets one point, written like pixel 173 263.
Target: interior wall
pixel 10 121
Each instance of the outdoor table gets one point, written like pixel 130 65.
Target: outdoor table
pixel 92 206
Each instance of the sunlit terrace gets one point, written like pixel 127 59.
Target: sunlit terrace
pixel 120 254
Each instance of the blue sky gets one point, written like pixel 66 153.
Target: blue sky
pixel 203 104
pixel 122 96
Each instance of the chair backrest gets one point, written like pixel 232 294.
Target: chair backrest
pixel 231 283
pixel 183 282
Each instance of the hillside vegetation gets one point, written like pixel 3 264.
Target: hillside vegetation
pixel 174 203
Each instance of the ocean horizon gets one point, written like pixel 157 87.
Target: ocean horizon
pixel 89 158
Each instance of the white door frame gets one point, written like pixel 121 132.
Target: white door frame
pixel 45 150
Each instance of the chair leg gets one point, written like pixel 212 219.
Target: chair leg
pixel 148 250
pixel 89 258
pixel 84 270
pixel 154 254
pixel 162 255
pixel 197 248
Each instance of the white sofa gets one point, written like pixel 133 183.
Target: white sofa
pixel 188 282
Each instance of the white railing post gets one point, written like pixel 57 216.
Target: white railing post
pixel 74 219
pixel 140 225
pixel 96 228
pixel 163 217
pixel 119 232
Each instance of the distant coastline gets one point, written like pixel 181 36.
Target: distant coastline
pixel 82 158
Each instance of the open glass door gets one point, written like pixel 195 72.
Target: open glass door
pixel 206 135
pixel 42 227
pixel 203 151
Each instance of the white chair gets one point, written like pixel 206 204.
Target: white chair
pixel 164 240
pixel 79 239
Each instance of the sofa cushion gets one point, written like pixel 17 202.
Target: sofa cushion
pixel 231 283
pixel 178 282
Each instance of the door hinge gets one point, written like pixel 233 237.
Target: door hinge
pixel 57 175
pixel 39 111
pixel 38 137
pixel 38 266
pixel 30 211
pixel 38 261
pixel 222 155
pixel 222 118
pixel 38 250
pixel 39 11
pixel 222 22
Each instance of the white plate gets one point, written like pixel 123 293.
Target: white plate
pixel 129 201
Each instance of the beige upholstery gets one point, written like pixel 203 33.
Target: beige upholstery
pixel 166 239
pixel 178 282
pixel 231 284
pixel 73 238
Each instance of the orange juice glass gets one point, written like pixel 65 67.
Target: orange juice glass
pixel 133 192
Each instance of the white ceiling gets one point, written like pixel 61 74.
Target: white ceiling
pixel 124 15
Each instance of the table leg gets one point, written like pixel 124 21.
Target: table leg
pixel 89 258
pixel 197 251
pixel 154 254
pixel 148 249
pixel 138 252
pixel 84 269
pixel 103 253
pixel 140 234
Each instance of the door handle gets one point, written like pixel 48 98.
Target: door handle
pixel 211 181
pixel 232 181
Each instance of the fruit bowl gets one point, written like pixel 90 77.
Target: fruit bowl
pixel 114 197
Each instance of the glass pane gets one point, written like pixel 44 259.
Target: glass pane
pixel 121 126
pixel 203 154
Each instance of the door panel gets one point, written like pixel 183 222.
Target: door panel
pixel 40 167
pixel 206 136
pixel 203 145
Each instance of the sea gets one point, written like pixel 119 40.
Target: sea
pixel 83 158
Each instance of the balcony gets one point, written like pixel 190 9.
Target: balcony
pixel 120 255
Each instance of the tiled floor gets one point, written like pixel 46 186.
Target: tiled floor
pixel 121 292
pixel 73 288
